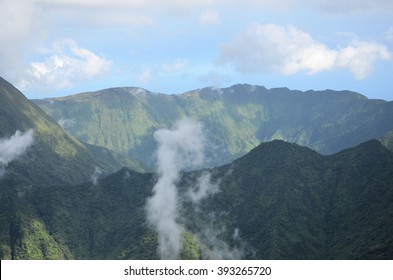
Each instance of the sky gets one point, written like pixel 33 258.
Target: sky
pixel 54 48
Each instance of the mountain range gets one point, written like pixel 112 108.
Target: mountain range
pixel 84 197
pixel 236 119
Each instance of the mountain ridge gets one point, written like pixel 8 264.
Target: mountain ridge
pixel 236 118
pixel 284 200
pixel 281 200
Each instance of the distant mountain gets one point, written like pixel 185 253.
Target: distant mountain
pixel 280 201
pixel 113 160
pixel 236 119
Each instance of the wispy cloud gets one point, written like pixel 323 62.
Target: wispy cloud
pixel 66 123
pixel 203 189
pixel 96 175
pixel 145 76
pixel 216 248
pixel 215 79
pixel 289 50
pixel 179 148
pixel 209 18
pixel 175 66
pixel 67 63
pixel 13 147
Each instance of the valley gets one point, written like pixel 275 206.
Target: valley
pixel 242 172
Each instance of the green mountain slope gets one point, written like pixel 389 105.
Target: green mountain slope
pixel 280 201
pixel 292 203
pixel 113 160
pixel 102 221
pixel 236 119
pixel 53 158
pixel 70 160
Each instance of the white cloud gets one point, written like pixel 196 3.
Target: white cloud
pixel 67 64
pixel 18 22
pixel 178 149
pixel 209 18
pixel 145 76
pixel 284 49
pixel 175 66
pixel 359 57
pixel 13 147
pixel 288 50
pixel 26 24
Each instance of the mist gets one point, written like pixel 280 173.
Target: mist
pixel 216 248
pixel 13 147
pixel 96 175
pixel 180 148
pixel 203 189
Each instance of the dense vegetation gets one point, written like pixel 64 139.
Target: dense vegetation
pixel 279 201
pixel 285 201
pixel 54 158
pixel 236 119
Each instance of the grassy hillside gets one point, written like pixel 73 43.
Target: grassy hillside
pixel 54 156
pixel 236 119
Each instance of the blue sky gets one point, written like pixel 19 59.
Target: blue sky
pixel 61 47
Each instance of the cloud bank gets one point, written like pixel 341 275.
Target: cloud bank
pixel 13 147
pixel 289 50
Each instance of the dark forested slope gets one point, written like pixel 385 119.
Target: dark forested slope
pixel 282 200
